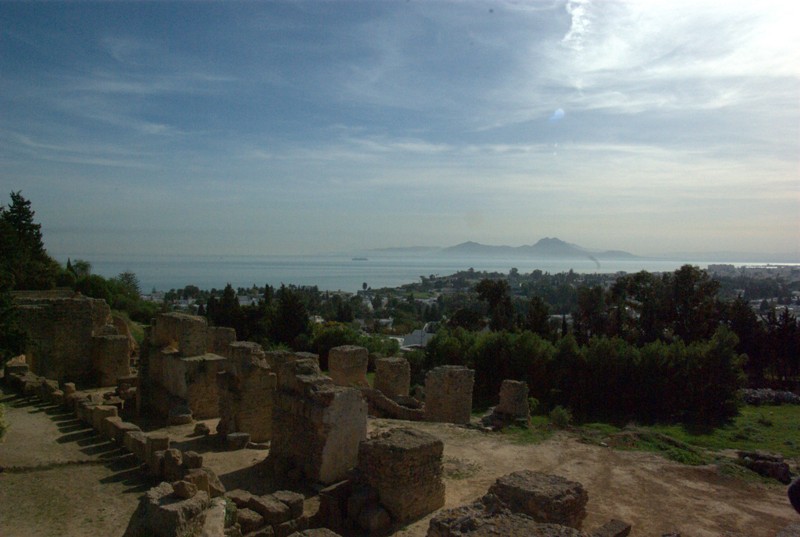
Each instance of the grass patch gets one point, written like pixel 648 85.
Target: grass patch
pixel 770 428
pixel 538 431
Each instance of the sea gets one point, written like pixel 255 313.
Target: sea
pixel 341 272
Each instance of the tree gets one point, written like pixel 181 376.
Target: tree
pixel 12 339
pixel 537 319
pixel 22 254
pixel 497 295
pixel 129 284
pixel 291 317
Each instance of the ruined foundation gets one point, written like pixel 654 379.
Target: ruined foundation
pixel 316 425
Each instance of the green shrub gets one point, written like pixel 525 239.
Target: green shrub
pixel 560 417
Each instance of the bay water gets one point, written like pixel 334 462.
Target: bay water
pixel 339 272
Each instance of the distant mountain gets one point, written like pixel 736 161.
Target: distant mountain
pixel 552 248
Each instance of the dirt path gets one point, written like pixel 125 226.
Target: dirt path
pixel 62 480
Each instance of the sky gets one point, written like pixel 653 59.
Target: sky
pixel 150 128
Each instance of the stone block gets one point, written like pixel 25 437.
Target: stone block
pixel 192 459
pixel 110 355
pixel 155 442
pixel 249 520
pixel 392 377
pixel 514 399
pixel 218 338
pixel 404 466
pixel 206 480
pixel 108 427
pixel 136 443
pixel 448 394
pixel 316 532
pixel 235 441
pixel 544 497
pixel 239 496
pixel 374 520
pixel 274 512
pixel 99 413
pixel 333 505
pixel 173 465
pixel 347 365
pixel 166 515
pixel 293 500
pixel 69 388
pixel 184 489
pixel 122 429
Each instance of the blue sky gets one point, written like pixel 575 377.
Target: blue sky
pixel 305 127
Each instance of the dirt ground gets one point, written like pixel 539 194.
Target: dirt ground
pixel 60 479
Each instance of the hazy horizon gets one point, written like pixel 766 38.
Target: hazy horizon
pixel 292 128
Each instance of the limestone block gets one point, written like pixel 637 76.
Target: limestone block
pixel 155 442
pixel 235 441
pixel 99 413
pixel 69 388
pixel 184 489
pixel 57 397
pixel 448 394
pixel 192 459
pixel 206 480
pixel 173 465
pixel 192 336
pixel 485 518
pixel 110 358
pixel 274 511
pixel 392 376
pixel 293 500
pixel 122 429
pixel 404 466
pixel 249 520
pixel 347 365
pixel 545 497
pixel 514 399
pixel 214 523
pixel 169 515
pixel 136 443
pixel 239 496
pixel 108 427
pixel 218 338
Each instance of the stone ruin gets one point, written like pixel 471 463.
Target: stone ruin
pixel 398 480
pixel 524 503
pixel 72 338
pixel 393 377
pixel 513 407
pixel 316 425
pixel 246 393
pixel 347 365
pixel 448 394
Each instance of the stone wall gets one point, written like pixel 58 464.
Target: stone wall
pixel 110 358
pixel 247 393
pixel 60 326
pixel 218 338
pixel 448 394
pixel 404 466
pixel 348 365
pixel 316 425
pixel 393 376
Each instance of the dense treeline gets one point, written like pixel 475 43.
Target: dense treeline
pixel 604 379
